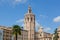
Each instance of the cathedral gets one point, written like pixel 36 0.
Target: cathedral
pixel 28 33
pixel 30 27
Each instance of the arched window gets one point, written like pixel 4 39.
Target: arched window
pixel 28 19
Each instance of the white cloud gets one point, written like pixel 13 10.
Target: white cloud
pixel 22 1
pixel 37 24
pixel 44 16
pixel 41 15
pixel 20 20
pixel 56 19
pixel 47 29
pixel 12 2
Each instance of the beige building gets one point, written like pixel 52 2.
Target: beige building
pixel 41 35
pixel 6 34
pixel 28 33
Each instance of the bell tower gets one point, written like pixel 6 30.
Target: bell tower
pixel 29 24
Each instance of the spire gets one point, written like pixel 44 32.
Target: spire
pixel 29 9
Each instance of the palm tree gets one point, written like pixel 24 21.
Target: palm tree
pixel 16 30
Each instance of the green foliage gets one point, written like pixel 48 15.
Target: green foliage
pixel 16 30
pixel 55 35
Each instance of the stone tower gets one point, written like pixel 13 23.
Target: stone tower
pixel 29 24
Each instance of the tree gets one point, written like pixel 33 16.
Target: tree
pixel 55 35
pixel 16 30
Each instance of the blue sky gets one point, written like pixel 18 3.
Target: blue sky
pixel 47 13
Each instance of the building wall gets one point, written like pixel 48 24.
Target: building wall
pixel 41 35
pixel 7 34
pixel 23 36
pixel 45 36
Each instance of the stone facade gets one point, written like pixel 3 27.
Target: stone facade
pixel 7 34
